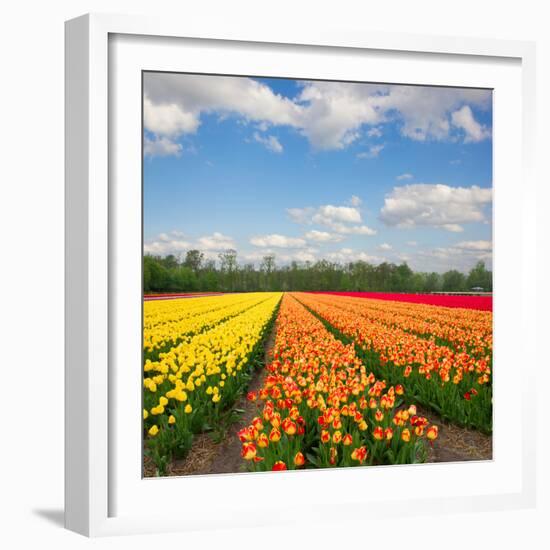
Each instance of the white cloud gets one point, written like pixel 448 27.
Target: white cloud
pixel 278 241
pixel 167 243
pixel 385 247
pixel 374 132
pixel 355 201
pixel 424 112
pixel 412 243
pixel 301 215
pixel 331 115
pixel 322 236
pixel 435 205
pixel 271 143
pixel 373 152
pixel 345 255
pixel 161 147
pixel 406 176
pixel 351 229
pixel 340 219
pixel 347 214
pixel 474 246
pixel 216 241
pixel 168 119
pixel 464 119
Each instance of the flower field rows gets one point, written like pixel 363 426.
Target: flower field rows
pixel 453 382
pixel 483 303
pixel 191 387
pixel 168 322
pixel 319 407
pixel 340 386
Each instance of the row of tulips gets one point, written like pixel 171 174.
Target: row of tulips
pixel 467 330
pixel 319 408
pixel 167 322
pixel 455 384
pixel 192 387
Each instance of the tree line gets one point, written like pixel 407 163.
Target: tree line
pixel 196 273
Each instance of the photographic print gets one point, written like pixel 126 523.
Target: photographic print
pixel 317 274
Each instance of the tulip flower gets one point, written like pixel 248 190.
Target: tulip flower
pixel 279 466
pixel 153 430
pixel 274 435
pixel 299 459
pixel 248 451
pixel 432 433
pixel 359 454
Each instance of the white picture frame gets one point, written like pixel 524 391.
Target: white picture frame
pixel 103 496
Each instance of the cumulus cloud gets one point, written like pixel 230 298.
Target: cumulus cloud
pixel 435 205
pixel 345 220
pixel 424 112
pixel 345 255
pixel 475 246
pixel 464 119
pixel 323 236
pixel 372 152
pixel 406 176
pixel 278 241
pixel 331 115
pixel 216 241
pixel 168 119
pixel 385 247
pixel 271 143
pixel 355 201
pixel 167 243
pixel 161 147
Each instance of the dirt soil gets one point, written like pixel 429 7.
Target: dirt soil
pixel 456 444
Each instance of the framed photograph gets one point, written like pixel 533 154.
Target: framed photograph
pixel 291 271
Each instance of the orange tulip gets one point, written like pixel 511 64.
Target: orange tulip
pixel 274 435
pixel 359 454
pixel 432 433
pixel 262 440
pixel 378 433
pixel 248 451
pixel 347 440
pixel 289 426
pixel 299 459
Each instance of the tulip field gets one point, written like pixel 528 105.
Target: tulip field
pixel 342 380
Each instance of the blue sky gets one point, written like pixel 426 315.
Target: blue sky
pixel 308 170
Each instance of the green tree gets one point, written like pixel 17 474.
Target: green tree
pixel 454 281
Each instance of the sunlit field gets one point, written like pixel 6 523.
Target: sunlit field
pixel 310 380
